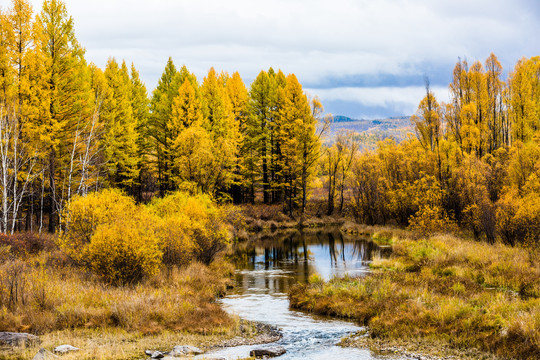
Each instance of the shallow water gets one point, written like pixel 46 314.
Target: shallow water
pixel 267 268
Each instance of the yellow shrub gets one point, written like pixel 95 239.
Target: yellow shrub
pixel 430 220
pixel 175 240
pixel 124 252
pixel 84 214
pixel 199 220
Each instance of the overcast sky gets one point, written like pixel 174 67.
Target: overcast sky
pixel 363 58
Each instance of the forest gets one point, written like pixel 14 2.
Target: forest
pixel 70 128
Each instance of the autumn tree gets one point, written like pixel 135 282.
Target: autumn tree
pixel 120 139
pixel 68 98
pixel 261 93
pixel 161 113
pixel 140 105
pixel 243 186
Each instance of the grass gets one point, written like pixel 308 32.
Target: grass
pixel 445 289
pixel 42 293
pixel 38 298
pixel 114 344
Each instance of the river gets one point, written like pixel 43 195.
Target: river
pixel 268 267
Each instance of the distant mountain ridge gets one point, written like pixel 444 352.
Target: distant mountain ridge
pixel 343 118
pixel 369 132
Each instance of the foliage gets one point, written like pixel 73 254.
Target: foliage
pixel 84 214
pixel 124 252
pixel 124 242
pixel 192 226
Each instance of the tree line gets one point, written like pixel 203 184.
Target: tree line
pixel 473 162
pixel 68 127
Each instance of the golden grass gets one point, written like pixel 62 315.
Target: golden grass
pixel 38 296
pixel 465 293
pixel 114 343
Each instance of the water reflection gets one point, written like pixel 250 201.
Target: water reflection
pixel 277 261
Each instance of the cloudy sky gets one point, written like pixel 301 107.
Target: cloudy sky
pixel 363 58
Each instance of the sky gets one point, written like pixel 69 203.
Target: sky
pixel 363 58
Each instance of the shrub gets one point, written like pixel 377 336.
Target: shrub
pixel 200 221
pixel 121 242
pixel 430 220
pixel 84 214
pixel 26 243
pixel 124 252
pixel 175 241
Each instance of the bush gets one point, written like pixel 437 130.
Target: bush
pixel 85 213
pixel 26 243
pixel 121 242
pixel 430 220
pixel 124 252
pixel 175 241
pixel 200 222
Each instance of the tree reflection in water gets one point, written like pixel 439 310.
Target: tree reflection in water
pixel 273 262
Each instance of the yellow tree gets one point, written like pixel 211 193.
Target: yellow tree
pixel 495 113
pixel 187 110
pixel 480 100
pixel 140 105
pixel 120 139
pixel 428 125
pixel 161 113
pixel 6 70
pixel 260 95
pixel 299 143
pixel 221 123
pixel 244 172
pixel 460 96
pixel 68 100
pixel 524 95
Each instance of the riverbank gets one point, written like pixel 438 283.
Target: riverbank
pixel 117 344
pixel 249 220
pixel 45 294
pixel 444 291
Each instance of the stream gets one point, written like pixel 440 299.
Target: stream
pixel 268 267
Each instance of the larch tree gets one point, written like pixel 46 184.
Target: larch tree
pixel 258 127
pixel 222 125
pixel 244 171
pixel 140 105
pixel 68 100
pixel 299 143
pixel 161 113
pixel 121 139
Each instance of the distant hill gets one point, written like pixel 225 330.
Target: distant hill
pixel 369 132
pixel 341 118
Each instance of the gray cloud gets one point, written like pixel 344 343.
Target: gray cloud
pixel 373 46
